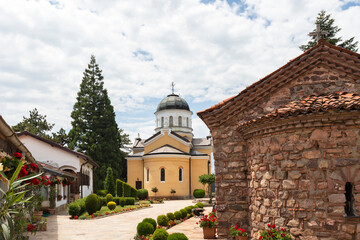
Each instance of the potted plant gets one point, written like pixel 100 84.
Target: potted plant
pixel 173 192
pixel 238 233
pixel 275 233
pixel 38 200
pixel 52 199
pixel 208 223
pixel 154 190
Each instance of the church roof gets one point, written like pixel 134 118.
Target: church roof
pixel 201 141
pixel 323 53
pixel 312 104
pixel 197 153
pixel 139 143
pixel 167 149
pixel 173 101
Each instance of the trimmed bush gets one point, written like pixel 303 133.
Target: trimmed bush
pixel 92 203
pixel 145 228
pixel 171 216
pixel 74 209
pixel 111 205
pixel 82 205
pixel 102 193
pixel 122 201
pixel 129 201
pixel 183 213
pixel 151 221
pixel 133 192
pixel 119 188
pixel 103 201
pixel 160 234
pixel 109 198
pixel 178 215
pixel 127 190
pixel 109 182
pixel 188 210
pixel 199 205
pixel 162 220
pixel 142 194
pixel 177 236
pixel 199 193
pixel 117 200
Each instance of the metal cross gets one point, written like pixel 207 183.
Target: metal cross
pixel 318 33
pixel 172 87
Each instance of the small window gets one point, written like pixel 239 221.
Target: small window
pixel 171 121
pixel 147 175
pixel 162 175
pixel 349 204
pixel 180 174
pixel 162 121
pixel 187 122
pixel 180 121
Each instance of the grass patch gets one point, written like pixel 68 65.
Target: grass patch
pixel 144 202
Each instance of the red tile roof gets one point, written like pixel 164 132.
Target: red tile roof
pixel 314 103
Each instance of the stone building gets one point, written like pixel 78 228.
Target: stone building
pixel 287 148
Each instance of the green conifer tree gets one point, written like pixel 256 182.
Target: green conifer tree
pixel 109 181
pixel 94 130
pixel 327 24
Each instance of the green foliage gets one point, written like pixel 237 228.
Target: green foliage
pixel 92 203
pixel 109 198
pixel 103 201
pixel 178 215
pixel 74 209
pixel 151 221
pixel 145 228
pixel 275 233
pixel 142 194
pixel 129 201
pixel 171 216
pixel 188 210
pixel 327 24
pixel 94 129
pixel 177 236
pixel 199 205
pixel 102 193
pixel 117 200
pixel 133 192
pixel 127 190
pixel 160 234
pixel 119 188
pixel 163 220
pixel 183 213
pixel 122 201
pixel 111 205
pixel 52 197
pixel 155 190
pixel 109 181
pixel 199 193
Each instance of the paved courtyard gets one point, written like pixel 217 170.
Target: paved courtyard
pixel 122 226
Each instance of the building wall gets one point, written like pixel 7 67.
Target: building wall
pixel 166 139
pixel 198 168
pixel 134 172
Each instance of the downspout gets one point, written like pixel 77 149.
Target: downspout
pixel 81 178
pixel 144 177
pixel 190 177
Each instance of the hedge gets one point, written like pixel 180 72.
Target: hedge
pixel 119 188
pixel 125 190
pixel 199 193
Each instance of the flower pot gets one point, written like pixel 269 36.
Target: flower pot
pixel 51 211
pixel 38 215
pixel 241 238
pixel 209 233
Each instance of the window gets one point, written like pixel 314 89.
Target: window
pixel 162 175
pixel 147 175
pixel 180 174
pixel 171 121
pixel 180 121
pixel 162 121
pixel 187 122
pixel 349 205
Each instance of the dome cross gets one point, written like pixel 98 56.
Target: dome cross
pixel 172 87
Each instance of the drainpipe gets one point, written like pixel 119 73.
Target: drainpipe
pixel 190 177
pixel 81 178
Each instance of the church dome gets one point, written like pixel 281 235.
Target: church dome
pixel 173 101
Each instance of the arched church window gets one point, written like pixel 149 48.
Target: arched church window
pixel 180 121
pixel 349 204
pixel 147 175
pixel 162 121
pixel 180 174
pixel 171 121
pixel 162 175
pixel 187 122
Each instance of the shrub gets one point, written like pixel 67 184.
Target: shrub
pixel 74 209
pixel 163 220
pixel 183 213
pixel 82 205
pixel 103 201
pixel 127 190
pixel 199 205
pixel 160 234
pixel 145 228
pixel 133 192
pixel 111 205
pixel 199 193
pixel 142 194
pixel 177 236
pixel 102 193
pixel 178 215
pixel 92 203
pixel 151 221
pixel 109 198
pixel 122 201
pixel 109 181
pixel 129 201
pixel 119 188
pixel 171 216
pixel 188 210
pixel 117 200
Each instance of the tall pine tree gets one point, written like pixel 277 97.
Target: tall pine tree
pixel 94 130
pixel 327 24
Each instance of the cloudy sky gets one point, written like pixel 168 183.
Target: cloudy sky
pixel 210 49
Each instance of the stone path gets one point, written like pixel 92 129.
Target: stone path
pixel 122 226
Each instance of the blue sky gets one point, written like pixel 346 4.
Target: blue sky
pixel 211 49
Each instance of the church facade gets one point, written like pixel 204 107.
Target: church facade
pixel 172 159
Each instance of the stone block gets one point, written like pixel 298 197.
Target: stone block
pixel 322 185
pixel 341 162
pixel 267 175
pixel 337 198
pixel 264 183
pixel 289 184
pixel 293 223
pixel 294 174
pixel 274 184
pixel 228 177
pixel 305 184
pixel 290 203
pixel 262 210
pixel 278 157
pixel 301 214
pixel 287 164
pixel 323 164
pixel 319 135
pixel 295 231
pixel 306 203
pixel 273 212
pixel 277 203
pixel 267 202
pixel 314 154
pixel 279 222
pixel 348 228
pixel 312 224
pixel 283 195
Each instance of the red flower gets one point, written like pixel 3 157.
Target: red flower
pixel 33 166
pixel 23 172
pixel 35 181
pixel 242 230
pixel 18 155
pixel 283 234
pixel 30 227
pixel 269 225
pixel 273 226
pixel 261 237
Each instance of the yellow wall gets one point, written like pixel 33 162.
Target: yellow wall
pixel 198 168
pixel 171 166
pixel 134 171
pixel 137 151
pixel 204 150
pixel 166 140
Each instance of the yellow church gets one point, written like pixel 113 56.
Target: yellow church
pixel 171 159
